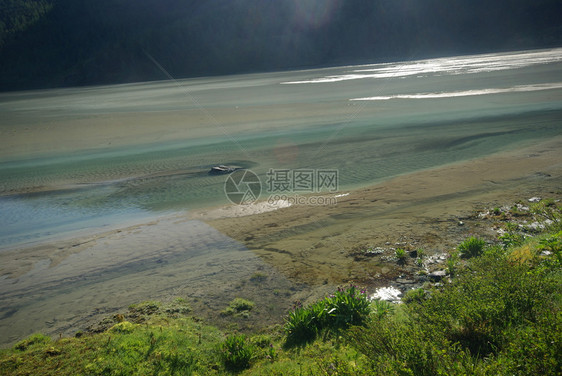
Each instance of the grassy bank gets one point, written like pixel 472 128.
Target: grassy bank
pixel 496 312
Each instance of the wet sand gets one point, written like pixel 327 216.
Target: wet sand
pixel 67 286
pixel 312 244
pixel 209 256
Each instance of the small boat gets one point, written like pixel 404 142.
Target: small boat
pixel 222 169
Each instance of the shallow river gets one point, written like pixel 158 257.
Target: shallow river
pixel 92 158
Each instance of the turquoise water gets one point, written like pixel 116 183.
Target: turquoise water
pixel 367 122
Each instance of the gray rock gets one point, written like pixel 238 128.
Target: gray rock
pixel 404 281
pixel 374 251
pixel 437 275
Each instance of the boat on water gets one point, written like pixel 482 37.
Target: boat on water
pixel 222 169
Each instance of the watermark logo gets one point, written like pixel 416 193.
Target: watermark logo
pixel 292 186
pixel 299 200
pixel 242 187
pixel 302 181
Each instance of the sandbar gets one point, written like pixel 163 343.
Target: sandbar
pixel 421 209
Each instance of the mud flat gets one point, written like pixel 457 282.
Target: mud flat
pixel 63 287
pixel 312 244
pixel 299 252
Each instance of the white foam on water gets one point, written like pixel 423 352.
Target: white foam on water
pixel 466 93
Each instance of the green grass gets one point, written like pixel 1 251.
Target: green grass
pixel 346 307
pixel 239 307
pixel 161 347
pixel 400 255
pixel 236 353
pixel 500 315
pixel 471 247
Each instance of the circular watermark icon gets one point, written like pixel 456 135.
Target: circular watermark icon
pixel 242 187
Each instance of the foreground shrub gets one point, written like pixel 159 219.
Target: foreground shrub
pixel 236 353
pixel 534 349
pixel 381 308
pixel 346 307
pixel 497 317
pixel 415 296
pixel 492 296
pixel 471 247
pixel 512 236
pixel 396 348
pixel 552 244
pixel 301 326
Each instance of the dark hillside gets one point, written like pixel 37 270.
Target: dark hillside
pixel 53 43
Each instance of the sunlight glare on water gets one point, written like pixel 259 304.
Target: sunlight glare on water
pixel 446 66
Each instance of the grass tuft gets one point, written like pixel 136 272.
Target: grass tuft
pixel 337 312
pixel 236 353
pixel 238 307
pixel 471 247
